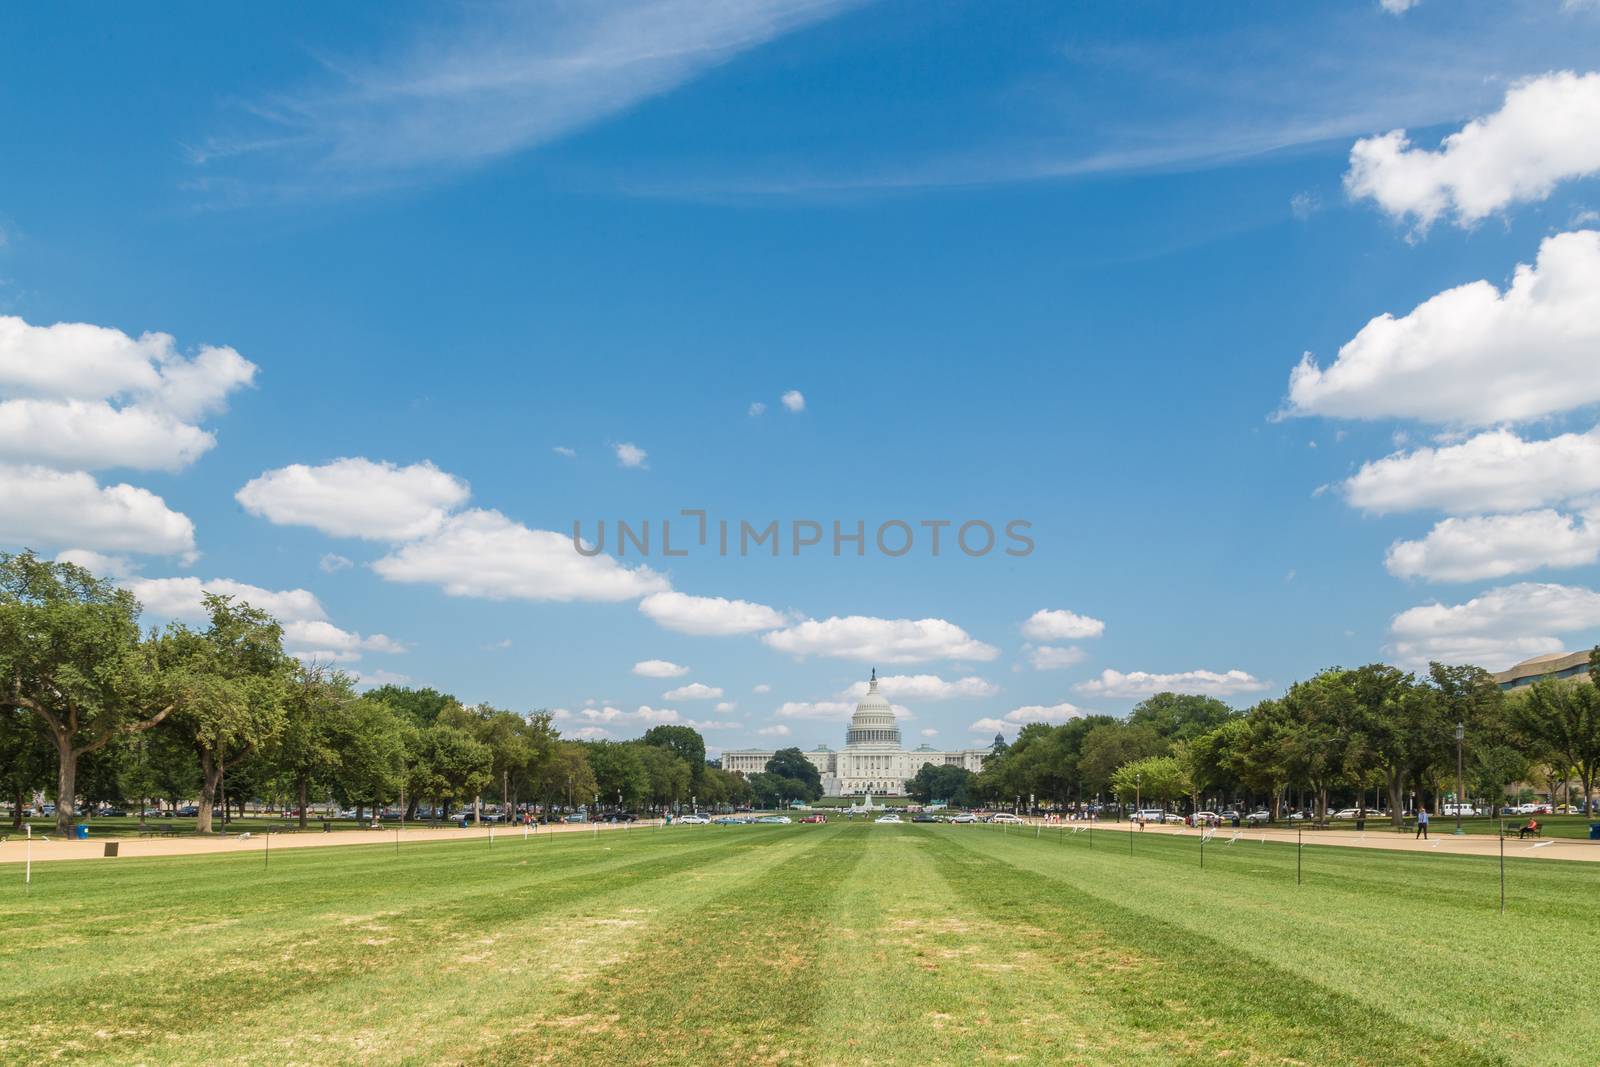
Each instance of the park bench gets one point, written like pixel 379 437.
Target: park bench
pixel 1517 831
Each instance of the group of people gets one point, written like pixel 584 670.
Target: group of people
pixel 1527 829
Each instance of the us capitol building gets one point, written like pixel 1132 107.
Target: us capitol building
pixel 873 760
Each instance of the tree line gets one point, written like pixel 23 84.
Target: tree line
pixel 1373 736
pixel 94 709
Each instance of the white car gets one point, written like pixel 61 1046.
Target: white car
pixel 1258 817
pixel 1172 816
pixel 695 820
pixel 965 817
pixel 1150 815
pixel 1005 816
pixel 887 818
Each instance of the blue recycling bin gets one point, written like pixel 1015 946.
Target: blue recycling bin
pixel 81 832
pixel 1594 831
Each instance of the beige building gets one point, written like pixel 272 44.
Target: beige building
pixel 873 759
pixel 1554 665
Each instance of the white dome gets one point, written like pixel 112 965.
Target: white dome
pixel 873 724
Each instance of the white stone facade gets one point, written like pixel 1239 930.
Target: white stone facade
pixel 872 760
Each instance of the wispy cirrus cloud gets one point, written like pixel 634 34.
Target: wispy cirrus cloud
pixel 486 82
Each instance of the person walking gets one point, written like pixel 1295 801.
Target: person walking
pixel 1422 823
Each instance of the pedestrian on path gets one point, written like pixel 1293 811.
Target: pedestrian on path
pixel 1422 823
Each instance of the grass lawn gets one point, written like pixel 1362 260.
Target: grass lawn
pixel 838 944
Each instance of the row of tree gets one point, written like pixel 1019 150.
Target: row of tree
pixel 1370 733
pixel 93 709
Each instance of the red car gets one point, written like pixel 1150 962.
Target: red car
pixel 815 818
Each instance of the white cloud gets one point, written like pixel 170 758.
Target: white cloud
pixel 83 396
pixel 775 730
pixel 659 668
pixel 871 640
pixel 45 507
pixel 563 450
pixel 725 706
pixel 318 639
pixel 1493 471
pixel 483 82
pixel 333 563
pixel 481 553
pixel 1495 628
pixel 828 710
pixel 1058 625
pixel 589 733
pixel 643 715
pixel 356 497
pixel 756 408
pixel 1037 713
pixel 1398 7
pixel 1472 355
pixel 1303 205
pixel 498 646
pixel 926 687
pixel 182 598
pixel 95 563
pixel 368 679
pixel 929 732
pixel 761 688
pixel 1543 134
pixel 794 400
pixel 1053 658
pixel 709 615
pixel 694 691
pixel 1494 546
pixel 631 455
pixel 1135 684
pixel 999 727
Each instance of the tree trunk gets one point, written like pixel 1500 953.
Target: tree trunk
pixel 1396 786
pixel 16 808
pixel 304 785
pixel 211 775
pixel 66 783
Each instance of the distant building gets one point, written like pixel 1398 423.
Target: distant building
pixel 872 760
pixel 1554 665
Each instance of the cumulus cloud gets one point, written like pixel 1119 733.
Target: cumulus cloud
pixel 1137 684
pixel 318 639
pixel 1543 134
pixel 1053 658
pixel 563 450
pixel 998 726
pixel 356 497
pixel 631 455
pixel 333 563
pixel 83 396
pixel 98 564
pixel 725 706
pixel 659 668
pixel 1497 470
pixel 1494 546
pixel 1047 625
pixel 643 715
pixel 763 687
pixel 183 598
pixel 926 687
pixel 694 691
pixel 1496 628
pixel 794 400
pixel 775 730
pixel 1473 355
pixel 1398 7
pixel 871 640
pixel 829 710
pixel 756 408
pixel 481 553
pixel 44 507
pixel 708 615
pixel 929 732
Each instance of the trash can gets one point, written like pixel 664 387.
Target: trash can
pixel 111 849
pixel 462 823
pixel 81 832
pixel 1594 831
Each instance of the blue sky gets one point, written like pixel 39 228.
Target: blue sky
pixel 1022 261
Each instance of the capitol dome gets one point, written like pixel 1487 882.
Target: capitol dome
pixel 873 724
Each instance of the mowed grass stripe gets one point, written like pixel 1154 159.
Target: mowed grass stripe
pixel 943 983
pixel 736 981
pixel 1420 972
pixel 378 962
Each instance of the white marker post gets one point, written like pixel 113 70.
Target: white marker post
pixel 27 870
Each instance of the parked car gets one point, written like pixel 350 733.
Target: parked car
pixel 620 816
pixel 695 820
pixel 925 817
pixel 890 818
pixel 1206 818
pixel 964 817
pixel 576 816
pixel 188 811
pixel 112 813
pixel 1148 815
pixel 730 820
pixel 816 818
pixel 999 816
pixel 1256 818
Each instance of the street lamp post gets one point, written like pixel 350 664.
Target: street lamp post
pixel 1461 733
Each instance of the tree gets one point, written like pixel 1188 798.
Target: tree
pixel 1563 716
pixel 448 765
pixel 686 742
pixel 1180 716
pixel 305 750
pixel 942 785
pixel 668 774
pixel 619 772
pixel 1110 745
pixel 421 706
pixel 27 759
pixel 565 776
pixel 791 764
pixel 71 655
pixel 1157 778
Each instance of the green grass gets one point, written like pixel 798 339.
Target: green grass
pixel 838 944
